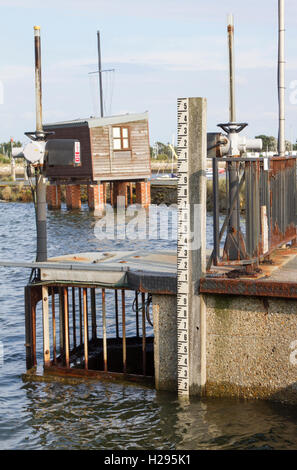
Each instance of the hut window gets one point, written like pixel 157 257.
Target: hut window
pixel 120 138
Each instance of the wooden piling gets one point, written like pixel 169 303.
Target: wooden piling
pixel 66 323
pixel 137 314
pixel 116 313
pixel 73 317
pixel 80 317
pixel 104 331
pixel 46 337
pixel 124 333
pixel 61 323
pixel 30 325
pixel 85 313
pixel 93 313
pixel 143 335
pixel 54 326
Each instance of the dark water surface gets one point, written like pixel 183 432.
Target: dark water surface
pixel 103 415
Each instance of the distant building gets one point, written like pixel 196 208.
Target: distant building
pixel 114 150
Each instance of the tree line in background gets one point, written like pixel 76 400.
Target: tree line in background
pixel 270 143
pixel 161 151
pixel 5 150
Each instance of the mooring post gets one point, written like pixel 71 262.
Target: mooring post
pixel 191 311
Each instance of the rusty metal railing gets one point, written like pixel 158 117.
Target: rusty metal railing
pixel 262 214
pixel 92 331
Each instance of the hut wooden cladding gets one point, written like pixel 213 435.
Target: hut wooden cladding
pixel 112 149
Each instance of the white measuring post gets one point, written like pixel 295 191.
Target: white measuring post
pixel 191 251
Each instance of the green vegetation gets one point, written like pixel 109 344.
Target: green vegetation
pixel 162 157
pixel 162 151
pixel 18 193
pixel 270 143
pixel 4 159
pixel 6 178
pixel 22 193
pixel 5 149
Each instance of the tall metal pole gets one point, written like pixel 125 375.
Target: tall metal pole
pixel 100 74
pixel 281 78
pixel 41 208
pixel 172 155
pixel 232 113
pixel 38 87
pixel 41 219
pixel 231 248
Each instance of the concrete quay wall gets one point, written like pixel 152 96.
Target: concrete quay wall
pixel 251 347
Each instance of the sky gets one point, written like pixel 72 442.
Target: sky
pixel 160 50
